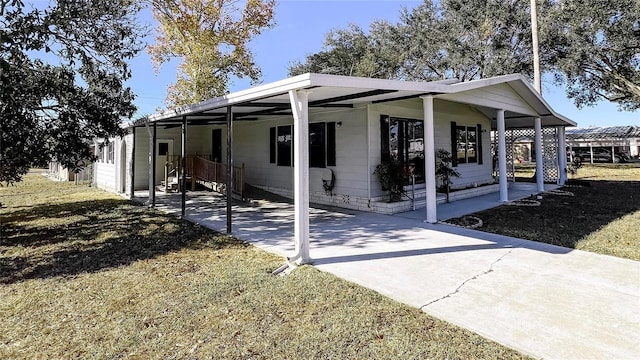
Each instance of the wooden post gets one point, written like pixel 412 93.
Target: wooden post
pixel 193 174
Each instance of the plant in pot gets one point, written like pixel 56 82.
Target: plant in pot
pixel 444 170
pixel 390 176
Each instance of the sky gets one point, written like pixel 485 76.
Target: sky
pixel 300 29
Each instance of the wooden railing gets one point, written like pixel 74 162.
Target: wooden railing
pixel 201 168
pixel 206 170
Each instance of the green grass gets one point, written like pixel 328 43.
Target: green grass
pixel 86 274
pixel 603 216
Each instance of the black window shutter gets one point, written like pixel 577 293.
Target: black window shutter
pixel 331 144
pixel 454 144
pixel 384 137
pixel 272 145
pixel 479 143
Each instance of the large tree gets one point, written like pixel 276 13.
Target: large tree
pixel 211 38
pixel 595 48
pixel 464 39
pixel 62 70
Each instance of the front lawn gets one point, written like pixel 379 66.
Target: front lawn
pixel 600 213
pixel 86 274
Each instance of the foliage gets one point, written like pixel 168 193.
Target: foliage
pixel 444 171
pixel 211 37
pixel 433 41
pixel 595 50
pixel 62 70
pixel 391 177
pixel 573 166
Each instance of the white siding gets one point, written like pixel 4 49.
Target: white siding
pixel 251 147
pixel 500 96
pixel 444 113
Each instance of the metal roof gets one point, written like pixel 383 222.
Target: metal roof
pixel 610 132
pixel 335 91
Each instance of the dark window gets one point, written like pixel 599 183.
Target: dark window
pixel 322 145
pixel 216 145
pixel 466 144
pixel 403 140
pixel 272 145
pixel 317 145
pixel 163 149
pixel 331 144
pixel 284 144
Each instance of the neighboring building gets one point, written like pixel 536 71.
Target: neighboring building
pixel 619 139
pixel 348 125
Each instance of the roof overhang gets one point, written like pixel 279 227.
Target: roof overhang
pixel 334 91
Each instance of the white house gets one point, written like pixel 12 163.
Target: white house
pixel 288 135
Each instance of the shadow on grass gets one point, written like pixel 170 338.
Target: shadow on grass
pixel 565 220
pixel 87 236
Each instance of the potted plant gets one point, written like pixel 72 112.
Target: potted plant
pixel 444 170
pixel 391 176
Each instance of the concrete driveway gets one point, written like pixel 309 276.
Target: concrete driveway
pixel 543 300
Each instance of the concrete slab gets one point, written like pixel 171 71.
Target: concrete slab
pixel 543 300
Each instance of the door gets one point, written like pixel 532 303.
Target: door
pixel 216 145
pixel 163 148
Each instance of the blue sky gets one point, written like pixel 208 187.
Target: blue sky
pixel 301 26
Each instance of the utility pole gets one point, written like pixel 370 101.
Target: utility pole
pixel 536 54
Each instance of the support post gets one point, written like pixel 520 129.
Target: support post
pixel 562 156
pixel 229 166
pixel 591 153
pixel 183 168
pixel 133 163
pixel 429 159
pixel 300 106
pixel 502 156
pixel 152 171
pixel 539 164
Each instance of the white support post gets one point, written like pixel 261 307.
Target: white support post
pixel 300 106
pixel 502 156
pixel 562 156
pixel 591 153
pixel 539 164
pixel 429 159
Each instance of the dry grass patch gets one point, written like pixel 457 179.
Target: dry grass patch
pixel 84 274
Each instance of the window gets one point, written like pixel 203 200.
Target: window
pixel 317 155
pixel 322 145
pixel 403 140
pixel 163 149
pixel 284 143
pixel 466 144
pixel 110 153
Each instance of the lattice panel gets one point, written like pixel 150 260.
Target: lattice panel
pixel 550 154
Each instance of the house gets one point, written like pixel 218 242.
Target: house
pixel 318 138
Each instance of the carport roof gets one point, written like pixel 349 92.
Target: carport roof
pixel 337 91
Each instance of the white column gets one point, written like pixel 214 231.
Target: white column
pixel 300 106
pixel 429 159
pixel 562 156
pixel 539 164
pixel 502 157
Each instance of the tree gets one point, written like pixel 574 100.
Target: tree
pixel 595 50
pixel 353 52
pixel 464 39
pixel 62 70
pixel 211 37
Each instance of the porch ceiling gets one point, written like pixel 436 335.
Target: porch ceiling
pixel 332 91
